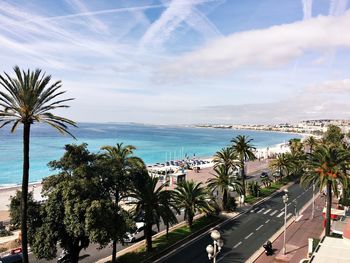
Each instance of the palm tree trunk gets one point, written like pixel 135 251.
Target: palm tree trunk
pixel 114 244
pixel 243 178
pixel 224 199
pixel 114 251
pixel 24 198
pixel 329 206
pixel 148 232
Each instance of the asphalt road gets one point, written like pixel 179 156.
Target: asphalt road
pixel 245 234
pixel 93 253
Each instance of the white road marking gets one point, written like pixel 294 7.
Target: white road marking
pixel 238 244
pixel 249 235
pixel 268 220
pixel 259 227
pixel 260 210
pixel 268 210
pixel 274 212
pixel 253 210
pixel 280 214
pixel 289 215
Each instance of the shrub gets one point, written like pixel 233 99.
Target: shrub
pixel 5 233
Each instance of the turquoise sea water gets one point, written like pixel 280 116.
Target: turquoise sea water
pixel 154 144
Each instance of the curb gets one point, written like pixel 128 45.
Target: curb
pixel 273 238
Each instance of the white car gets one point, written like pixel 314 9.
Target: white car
pixel 135 233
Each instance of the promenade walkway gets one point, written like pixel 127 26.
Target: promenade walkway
pixel 297 236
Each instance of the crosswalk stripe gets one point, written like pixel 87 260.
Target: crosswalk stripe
pixel 260 210
pixel 274 212
pixel 280 214
pixel 254 209
pixel 268 210
pixel 290 214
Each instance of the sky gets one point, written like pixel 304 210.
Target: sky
pixel 186 61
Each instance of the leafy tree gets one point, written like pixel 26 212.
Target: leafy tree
pixel 325 169
pixel 226 157
pixel 192 197
pixel 254 188
pixel 224 182
pixel 118 163
pixel 34 209
pixel 283 164
pixel 28 98
pixel 296 146
pixel 243 148
pixel 77 210
pixel 152 201
pixel 311 142
pixel 333 135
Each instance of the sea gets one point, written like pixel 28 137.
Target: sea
pixel 154 144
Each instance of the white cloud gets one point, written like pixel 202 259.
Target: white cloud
pixel 271 47
pixel 178 11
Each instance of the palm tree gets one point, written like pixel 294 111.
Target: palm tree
pixel 283 164
pixel 325 169
pixel 29 97
pixel 311 141
pixel 191 196
pixel 122 162
pixel 167 215
pixel 150 200
pixel 224 182
pixel 245 152
pixel 227 157
pixel 295 146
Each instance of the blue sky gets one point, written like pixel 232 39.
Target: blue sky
pixel 186 61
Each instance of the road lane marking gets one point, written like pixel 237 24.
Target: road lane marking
pixel 274 212
pixel 254 209
pixel 280 214
pixel 268 210
pixel 249 235
pixel 259 227
pixel 260 210
pixel 238 244
pixel 268 220
pixel 290 214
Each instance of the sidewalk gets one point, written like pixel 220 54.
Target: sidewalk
pixel 297 237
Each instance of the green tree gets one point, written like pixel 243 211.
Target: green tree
pixel 325 169
pixel 243 148
pixel 192 197
pixel 311 142
pixel 283 164
pixel 77 210
pixel 296 146
pixel 28 98
pixel 224 182
pixel 333 135
pixel 119 163
pixel 152 201
pixel 226 157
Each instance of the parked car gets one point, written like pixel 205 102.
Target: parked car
pixel 15 258
pixel 264 175
pixel 64 257
pixel 135 233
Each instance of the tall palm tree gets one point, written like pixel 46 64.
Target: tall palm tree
pixel 149 199
pixel 243 148
pixel 224 182
pixel 295 146
pixel 283 164
pixel 325 169
pixel 227 157
pixel 167 215
pixel 122 162
pixel 191 196
pixel 311 141
pixel 29 97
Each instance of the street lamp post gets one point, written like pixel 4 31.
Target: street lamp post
pixel 285 201
pixel 213 250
